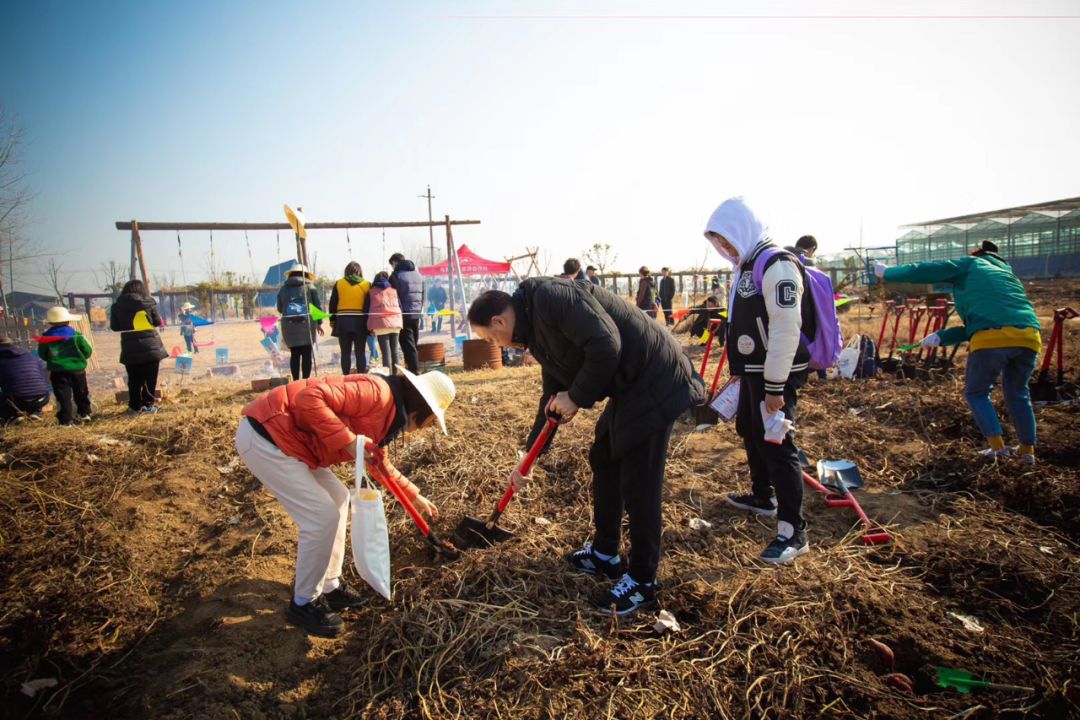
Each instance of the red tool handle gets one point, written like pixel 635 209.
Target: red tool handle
pixel 716 376
pixel 884 319
pixel 527 462
pixel 397 492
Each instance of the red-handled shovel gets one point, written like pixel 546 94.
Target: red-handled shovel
pixel 471 532
pixel 440 546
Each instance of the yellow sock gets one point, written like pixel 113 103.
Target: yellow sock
pixel 1027 450
pixel 997 443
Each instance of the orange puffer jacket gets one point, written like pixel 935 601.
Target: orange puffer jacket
pixel 317 420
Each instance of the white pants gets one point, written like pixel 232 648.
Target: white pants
pixel 316 501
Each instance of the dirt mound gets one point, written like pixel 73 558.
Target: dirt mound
pixel 146 573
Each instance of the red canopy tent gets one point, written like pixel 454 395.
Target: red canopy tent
pixel 470 264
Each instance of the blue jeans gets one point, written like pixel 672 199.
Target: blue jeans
pixel 1014 366
pixel 372 352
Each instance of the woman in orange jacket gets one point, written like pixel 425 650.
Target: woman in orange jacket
pixel 290 437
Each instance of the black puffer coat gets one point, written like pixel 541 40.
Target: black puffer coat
pixel 137 347
pixel 595 345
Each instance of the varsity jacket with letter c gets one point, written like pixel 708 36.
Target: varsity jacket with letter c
pixel 764 324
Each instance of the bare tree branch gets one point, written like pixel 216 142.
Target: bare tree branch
pixel 57 283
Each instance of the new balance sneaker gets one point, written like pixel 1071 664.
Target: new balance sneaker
pixel 315 618
pixel 344 598
pixel 753 504
pixel 627 596
pixel 788 545
pixel 992 454
pixel 587 561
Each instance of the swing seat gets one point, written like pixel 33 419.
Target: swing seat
pixel 205 344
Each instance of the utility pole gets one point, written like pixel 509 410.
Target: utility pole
pixel 431 230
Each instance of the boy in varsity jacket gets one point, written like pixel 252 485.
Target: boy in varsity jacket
pixel 766 351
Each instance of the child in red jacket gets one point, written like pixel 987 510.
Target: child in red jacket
pixel 289 438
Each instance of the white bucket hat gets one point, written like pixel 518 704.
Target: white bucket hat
pixel 187 306
pixel 60 314
pixel 299 269
pixel 438 392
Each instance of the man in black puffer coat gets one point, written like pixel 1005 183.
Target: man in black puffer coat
pixel 592 345
pixel 410 289
pixel 135 314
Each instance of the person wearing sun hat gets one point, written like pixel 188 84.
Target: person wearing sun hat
pixel 65 352
pixel 187 327
pixel 291 436
pixel 297 327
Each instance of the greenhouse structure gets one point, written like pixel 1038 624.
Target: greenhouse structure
pixel 1039 241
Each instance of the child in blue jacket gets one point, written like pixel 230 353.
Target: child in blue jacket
pixel 65 353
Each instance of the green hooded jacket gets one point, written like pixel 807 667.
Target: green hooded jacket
pixel 67 355
pixel 986 291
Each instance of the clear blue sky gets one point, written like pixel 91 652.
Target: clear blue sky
pixel 626 127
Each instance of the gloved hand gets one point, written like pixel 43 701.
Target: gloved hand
pixel 931 341
pixel 880 268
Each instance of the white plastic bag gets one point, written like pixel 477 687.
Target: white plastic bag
pixel 849 359
pixel 370 537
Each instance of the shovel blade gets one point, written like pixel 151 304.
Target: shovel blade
pixel 471 533
pixel 841 475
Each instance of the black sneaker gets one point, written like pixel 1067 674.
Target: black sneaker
pixel 627 596
pixel 344 598
pixel 783 549
pixel 587 561
pixel 753 504
pixel 315 618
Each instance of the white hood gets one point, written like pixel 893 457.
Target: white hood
pixel 739 226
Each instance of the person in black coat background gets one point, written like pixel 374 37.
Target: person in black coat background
pixel 667 294
pixel 591 345
pixel 135 314
pixel 24 388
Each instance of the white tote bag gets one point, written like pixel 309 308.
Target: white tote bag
pixel 849 359
pixel 370 538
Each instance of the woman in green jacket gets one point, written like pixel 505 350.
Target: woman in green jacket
pixel 1002 333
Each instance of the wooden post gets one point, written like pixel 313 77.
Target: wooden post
pixel 454 264
pixel 134 257
pixel 136 246
pixel 450 277
pixel 301 250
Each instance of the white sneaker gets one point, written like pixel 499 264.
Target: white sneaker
pixel 992 454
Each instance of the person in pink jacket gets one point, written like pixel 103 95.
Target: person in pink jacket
pixel 383 310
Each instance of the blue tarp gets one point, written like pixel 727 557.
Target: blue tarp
pixel 275 277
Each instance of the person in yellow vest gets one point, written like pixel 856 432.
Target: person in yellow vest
pixel 347 320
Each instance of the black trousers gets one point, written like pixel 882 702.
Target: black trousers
pixel 665 305
pixel 142 384
pixel 632 483
pixel 300 361
pixel 388 349
pixel 409 336
pixel 72 395
pixel 11 407
pixel 353 344
pixel 772 466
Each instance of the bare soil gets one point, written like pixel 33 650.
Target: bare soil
pixel 147 573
